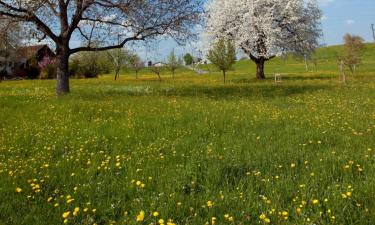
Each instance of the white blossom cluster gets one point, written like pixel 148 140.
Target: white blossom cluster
pixel 265 28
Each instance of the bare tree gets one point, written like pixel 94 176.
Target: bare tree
pixel 136 64
pixel 157 70
pixel 119 58
pixel 173 63
pixel 352 51
pixel 10 39
pixel 62 21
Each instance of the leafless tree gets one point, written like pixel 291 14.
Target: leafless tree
pixel 173 63
pixel 62 21
pixel 119 58
pixel 353 48
pixel 136 64
pixel 157 70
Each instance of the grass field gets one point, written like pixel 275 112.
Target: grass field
pixel 192 150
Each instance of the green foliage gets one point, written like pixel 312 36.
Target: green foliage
pixel 222 55
pixel 188 58
pixel 89 64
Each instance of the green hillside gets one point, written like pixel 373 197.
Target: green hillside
pixel 326 63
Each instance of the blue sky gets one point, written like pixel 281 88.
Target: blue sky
pixel 347 16
pixel 340 17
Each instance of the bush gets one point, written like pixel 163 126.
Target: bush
pixel 49 72
pixel 88 65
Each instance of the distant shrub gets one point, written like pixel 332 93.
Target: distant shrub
pixel 49 72
pixel 88 65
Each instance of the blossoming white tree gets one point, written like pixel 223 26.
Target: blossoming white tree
pixel 264 29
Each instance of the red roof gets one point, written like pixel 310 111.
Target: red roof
pixel 29 52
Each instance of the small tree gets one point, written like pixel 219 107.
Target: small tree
pixel 136 64
pixel 188 58
pixel 157 70
pixel 173 63
pixel 222 55
pixel 119 58
pixel 352 51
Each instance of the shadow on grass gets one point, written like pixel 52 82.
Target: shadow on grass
pixel 263 90
pixel 287 77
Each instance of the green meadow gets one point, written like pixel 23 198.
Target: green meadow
pixel 192 150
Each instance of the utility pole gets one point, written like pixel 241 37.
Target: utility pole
pixel 373 31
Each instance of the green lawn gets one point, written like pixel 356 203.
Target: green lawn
pixel 192 149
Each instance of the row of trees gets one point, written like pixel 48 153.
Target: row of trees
pixel 89 64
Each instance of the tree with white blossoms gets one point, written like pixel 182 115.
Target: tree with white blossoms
pixel 264 29
pixel 112 23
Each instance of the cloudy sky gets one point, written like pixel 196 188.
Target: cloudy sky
pixel 340 17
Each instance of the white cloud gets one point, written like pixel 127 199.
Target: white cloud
pixel 349 22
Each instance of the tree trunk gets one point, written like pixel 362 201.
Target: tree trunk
pixel 224 75
pixel 62 57
pixel 260 69
pixel 117 74
pixel 159 76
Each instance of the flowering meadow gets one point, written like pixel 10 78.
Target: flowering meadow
pixel 189 150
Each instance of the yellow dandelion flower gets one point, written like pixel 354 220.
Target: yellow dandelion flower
pixel 76 211
pixel 141 216
pixel 161 221
pixel 66 214
pixel 155 214
pixel 210 204
pixel 18 190
pixel 315 201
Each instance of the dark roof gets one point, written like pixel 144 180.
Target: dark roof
pixel 27 52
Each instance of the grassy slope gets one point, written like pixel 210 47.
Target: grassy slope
pixel 250 147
